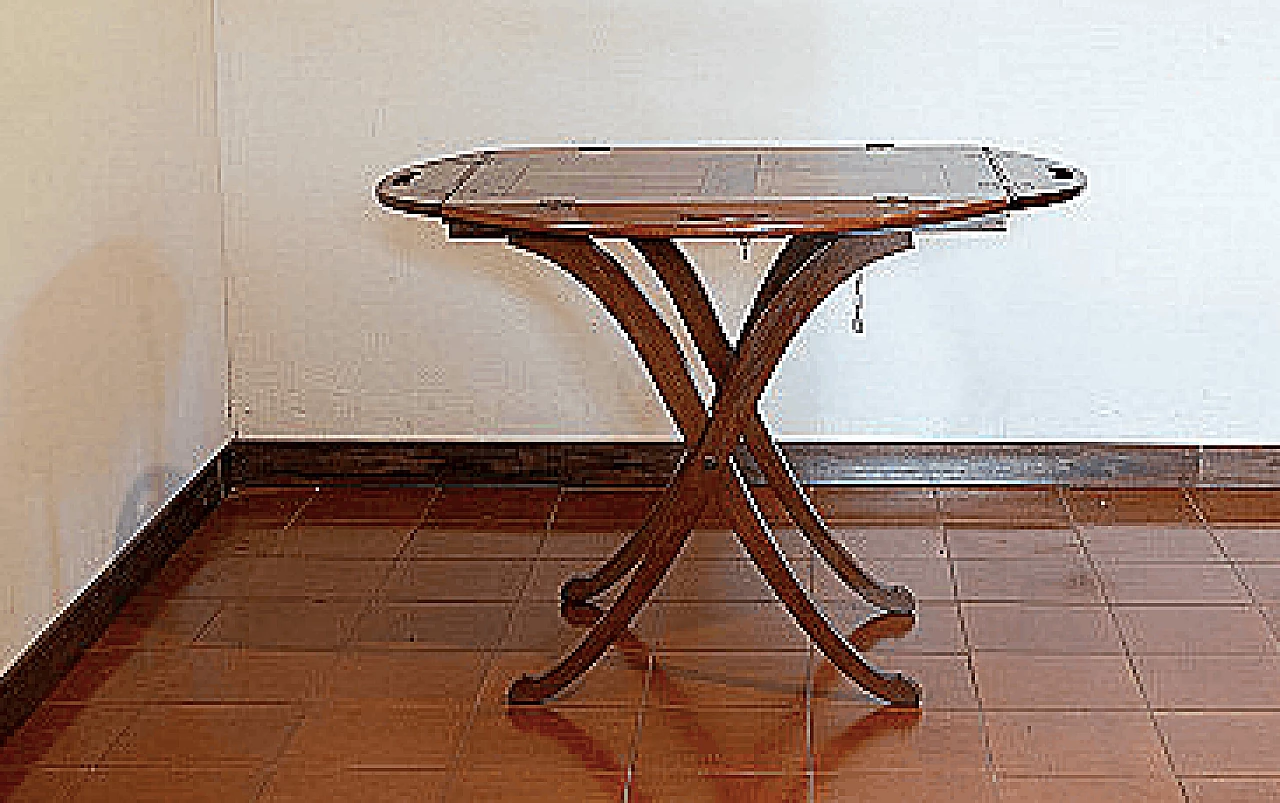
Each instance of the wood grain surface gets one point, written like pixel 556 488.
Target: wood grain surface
pixel 709 191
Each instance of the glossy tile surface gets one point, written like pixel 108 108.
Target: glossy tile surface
pixel 352 643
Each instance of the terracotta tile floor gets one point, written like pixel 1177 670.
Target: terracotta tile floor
pixel 356 644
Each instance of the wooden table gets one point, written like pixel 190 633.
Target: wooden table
pixel 842 208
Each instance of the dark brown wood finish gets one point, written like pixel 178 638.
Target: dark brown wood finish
pixel 639 464
pixel 843 208
pixel 724 191
pixel 707 471
pixel 694 307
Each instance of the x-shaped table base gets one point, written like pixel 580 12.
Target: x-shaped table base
pixel 807 270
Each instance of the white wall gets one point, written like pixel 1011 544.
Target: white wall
pixel 1143 311
pixel 112 354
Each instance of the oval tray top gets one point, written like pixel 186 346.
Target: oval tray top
pixel 717 191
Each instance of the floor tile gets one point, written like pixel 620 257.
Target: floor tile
pixel 375 734
pixel 217 539
pixel 1067 579
pixel 267 624
pixel 527 741
pixel 604 510
pixel 1237 506
pixel 286 578
pixel 693 786
pixel 719 580
pixel 540 627
pixel 1271 612
pixel 217 674
pixel 170 785
pixel 1130 506
pixel 1194 630
pixel 919 786
pixel 873 542
pixel 695 679
pixel 300 783
pixel 191 736
pixel 255 687
pixel 322 540
pixel 456 580
pixel 412 676
pixel 1149 543
pixel 1198 682
pixel 38 785
pixel 463 626
pixel 159 622
pixel 855 738
pixel 1250 545
pixel 718 626
pixel 723 740
pixel 928 578
pixel 1137 789
pixel 1007 542
pixel 1263 581
pixel 65 735
pixel 350 505
pixel 945 681
pixel 1237 743
pixel 1046 629
pixel 1173 583
pixel 849 505
pixel 1232 790
pixel 492 509
pixel 547 576
pixel 340 540
pixel 1027 682
pixel 1108 743
pixel 429 543
pixel 595 545
pixel 935 630
pixel 1008 506
pixel 264 505
pixel 617 680
pixel 722 544
pixel 105 674
pixel 524 783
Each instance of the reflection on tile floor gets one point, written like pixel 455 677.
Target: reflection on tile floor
pixel 356 644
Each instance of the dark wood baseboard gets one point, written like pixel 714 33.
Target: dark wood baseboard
pixel 44 662
pixel 280 462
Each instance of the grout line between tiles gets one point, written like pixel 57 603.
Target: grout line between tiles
pixel 989 753
pixel 454 769
pixel 634 753
pixel 1128 653
pixel 1235 568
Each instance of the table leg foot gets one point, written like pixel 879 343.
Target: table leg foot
pixel 608 628
pixel 578 590
pixel 619 565
pixel 896 689
pixel 892 599
pixel 900 691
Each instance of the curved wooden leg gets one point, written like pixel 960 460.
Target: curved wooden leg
pixel 674 518
pixel 690 298
pixel 897 689
pixel 652 569
pixel 606 279
pixel 707 464
pixel 894 599
pixel 619 565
